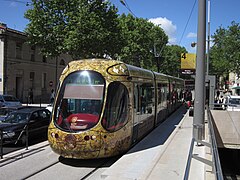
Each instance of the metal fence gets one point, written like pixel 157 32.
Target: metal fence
pixel 212 144
pixel 225 106
pixel 23 132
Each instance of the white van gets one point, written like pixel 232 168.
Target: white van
pixel 232 103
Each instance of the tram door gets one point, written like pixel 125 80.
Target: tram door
pixel 136 112
pixel 144 109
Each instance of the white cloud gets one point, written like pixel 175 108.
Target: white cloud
pixel 168 27
pixel 13 4
pixel 191 35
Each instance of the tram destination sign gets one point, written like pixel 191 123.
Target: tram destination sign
pixel 188 63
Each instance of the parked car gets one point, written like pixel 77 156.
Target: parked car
pixel 17 123
pixel 9 101
pixel 4 111
pixel 232 103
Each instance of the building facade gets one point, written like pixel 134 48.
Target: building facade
pixel 23 68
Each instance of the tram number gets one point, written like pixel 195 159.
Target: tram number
pixel 184 56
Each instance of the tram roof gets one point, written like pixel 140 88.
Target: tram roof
pixel 135 71
pixel 113 67
pixel 116 67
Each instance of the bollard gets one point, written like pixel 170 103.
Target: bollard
pixel 198 133
pixel 1 144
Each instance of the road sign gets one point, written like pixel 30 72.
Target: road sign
pixel 51 83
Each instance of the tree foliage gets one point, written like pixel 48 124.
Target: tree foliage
pixel 171 60
pixel 82 28
pixel 140 37
pixel 92 28
pixel 225 54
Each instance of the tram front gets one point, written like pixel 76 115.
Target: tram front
pixel 77 110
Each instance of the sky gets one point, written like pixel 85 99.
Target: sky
pixel 178 18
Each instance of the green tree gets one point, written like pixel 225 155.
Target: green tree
pixel 92 28
pixel 171 61
pixel 82 28
pixel 139 38
pixel 224 54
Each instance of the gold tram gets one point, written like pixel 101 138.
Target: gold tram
pixel 102 107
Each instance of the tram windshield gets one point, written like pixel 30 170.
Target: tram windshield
pixel 79 103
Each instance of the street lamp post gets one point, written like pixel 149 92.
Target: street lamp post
pixel 158 55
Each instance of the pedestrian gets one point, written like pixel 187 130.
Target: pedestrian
pixel 221 100
pixel 218 94
pixel 30 96
pixel 52 96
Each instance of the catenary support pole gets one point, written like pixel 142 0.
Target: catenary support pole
pixel 199 101
pixel 208 38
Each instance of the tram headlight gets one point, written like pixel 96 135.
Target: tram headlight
pixel 93 137
pixel 54 135
pixel 87 138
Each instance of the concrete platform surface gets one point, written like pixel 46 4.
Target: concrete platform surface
pixel 227 128
pixel 162 154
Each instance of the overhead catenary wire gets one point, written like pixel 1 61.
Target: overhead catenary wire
pixel 124 2
pixel 187 22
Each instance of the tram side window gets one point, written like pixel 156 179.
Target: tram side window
pixel 180 93
pixel 136 98
pixel 159 91
pixel 169 92
pixel 162 93
pixel 116 111
pixel 143 100
pixel 146 98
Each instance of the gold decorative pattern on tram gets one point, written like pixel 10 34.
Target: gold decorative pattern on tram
pixel 104 143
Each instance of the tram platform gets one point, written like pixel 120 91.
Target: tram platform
pixel 227 128
pixel 163 154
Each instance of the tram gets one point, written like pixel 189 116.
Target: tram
pixel 103 107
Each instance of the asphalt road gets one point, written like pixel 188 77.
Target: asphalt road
pixel 8 148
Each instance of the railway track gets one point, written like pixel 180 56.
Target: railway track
pixel 230 162
pixel 41 163
pixel 231 177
